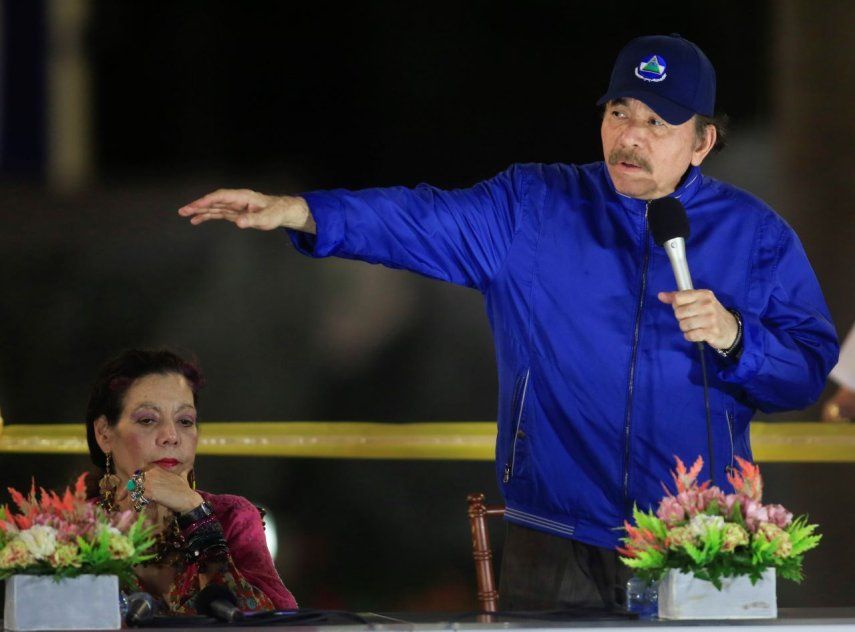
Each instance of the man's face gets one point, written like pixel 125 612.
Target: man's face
pixel 645 155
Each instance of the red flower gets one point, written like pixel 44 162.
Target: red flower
pixel 747 481
pixel 687 479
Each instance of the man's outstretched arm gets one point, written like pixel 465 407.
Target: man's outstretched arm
pixel 461 236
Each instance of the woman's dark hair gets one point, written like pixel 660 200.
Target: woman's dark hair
pixel 107 397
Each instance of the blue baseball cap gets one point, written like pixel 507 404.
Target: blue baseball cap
pixel 667 73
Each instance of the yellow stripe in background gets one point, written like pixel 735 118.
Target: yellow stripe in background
pixel 472 441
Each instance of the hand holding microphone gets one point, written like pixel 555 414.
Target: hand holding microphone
pixel 700 315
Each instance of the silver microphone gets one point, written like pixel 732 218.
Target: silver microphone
pixel 670 228
pixel 676 250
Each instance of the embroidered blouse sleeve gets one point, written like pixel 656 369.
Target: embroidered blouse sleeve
pixel 244 532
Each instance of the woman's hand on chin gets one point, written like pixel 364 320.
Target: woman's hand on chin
pixel 168 489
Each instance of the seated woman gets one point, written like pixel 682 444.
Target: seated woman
pixel 142 427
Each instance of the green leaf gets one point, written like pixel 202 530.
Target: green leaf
pixel 802 535
pixel 649 522
pixel 713 540
pixel 736 515
pixel 713 509
pixel 695 553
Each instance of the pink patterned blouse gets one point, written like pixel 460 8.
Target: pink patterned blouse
pixel 250 574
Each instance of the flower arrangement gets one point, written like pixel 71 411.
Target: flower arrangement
pixel 710 534
pixel 68 536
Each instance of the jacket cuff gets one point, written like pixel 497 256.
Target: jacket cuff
pixel 330 220
pixel 753 352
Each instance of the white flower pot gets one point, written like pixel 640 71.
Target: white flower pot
pixel 683 596
pixel 39 602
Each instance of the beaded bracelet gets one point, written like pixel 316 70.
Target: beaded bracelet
pixel 196 514
pixel 733 350
pixel 192 528
pixel 206 541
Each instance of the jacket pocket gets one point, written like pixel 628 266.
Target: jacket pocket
pixel 517 431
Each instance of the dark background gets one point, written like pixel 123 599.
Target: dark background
pixel 184 97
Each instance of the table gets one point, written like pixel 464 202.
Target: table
pixel 793 619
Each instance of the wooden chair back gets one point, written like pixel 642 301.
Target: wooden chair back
pixel 482 554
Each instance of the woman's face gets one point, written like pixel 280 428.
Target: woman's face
pixel 157 427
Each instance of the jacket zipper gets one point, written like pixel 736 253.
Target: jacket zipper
pixel 632 361
pixel 509 466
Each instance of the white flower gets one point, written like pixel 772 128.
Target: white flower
pixel 40 540
pixel 702 523
pixel 113 531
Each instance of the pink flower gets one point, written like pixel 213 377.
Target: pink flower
pixel 713 494
pixel 731 499
pixel 754 513
pixel 692 501
pixel 671 511
pixel 779 516
pixel 125 520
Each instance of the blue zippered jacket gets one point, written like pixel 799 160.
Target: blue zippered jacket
pixel 598 389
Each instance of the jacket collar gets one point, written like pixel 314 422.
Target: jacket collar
pixel 685 191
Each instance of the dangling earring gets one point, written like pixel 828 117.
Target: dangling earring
pixel 191 478
pixel 108 485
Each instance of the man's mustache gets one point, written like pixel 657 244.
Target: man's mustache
pixel 625 155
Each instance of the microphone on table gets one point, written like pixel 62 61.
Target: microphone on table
pixel 669 226
pixel 219 602
pixel 140 608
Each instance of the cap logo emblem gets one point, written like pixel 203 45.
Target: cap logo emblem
pixel 652 69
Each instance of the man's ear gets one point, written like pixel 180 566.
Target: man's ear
pixel 103 435
pixel 704 145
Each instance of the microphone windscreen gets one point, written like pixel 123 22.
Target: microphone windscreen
pixel 211 593
pixel 667 217
pixel 140 608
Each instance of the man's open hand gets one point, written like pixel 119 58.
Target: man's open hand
pixel 250 209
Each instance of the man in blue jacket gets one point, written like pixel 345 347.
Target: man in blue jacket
pixel 599 378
